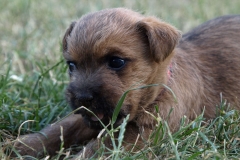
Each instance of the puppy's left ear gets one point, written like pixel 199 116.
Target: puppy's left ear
pixel 162 37
pixel 67 33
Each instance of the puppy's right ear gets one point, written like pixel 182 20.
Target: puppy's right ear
pixel 68 32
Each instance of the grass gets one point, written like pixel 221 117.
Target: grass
pixel 33 75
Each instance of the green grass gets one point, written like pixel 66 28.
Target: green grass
pixel 33 75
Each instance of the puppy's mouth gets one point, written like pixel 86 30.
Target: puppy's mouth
pixel 98 119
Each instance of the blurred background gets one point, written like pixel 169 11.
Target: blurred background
pixel 32 30
pixel 33 74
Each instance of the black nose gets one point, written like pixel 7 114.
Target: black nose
pixel 84 97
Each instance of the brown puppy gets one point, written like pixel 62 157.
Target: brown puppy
pixel 111 51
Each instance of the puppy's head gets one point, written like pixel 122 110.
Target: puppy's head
pixel 111 51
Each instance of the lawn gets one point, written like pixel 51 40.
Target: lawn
pixel 33 74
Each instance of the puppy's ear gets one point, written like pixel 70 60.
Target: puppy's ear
pixel 162 37
pixel 68 32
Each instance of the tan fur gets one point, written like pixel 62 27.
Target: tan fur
pixel 203 63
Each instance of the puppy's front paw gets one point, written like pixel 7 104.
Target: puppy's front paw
pixel 31 145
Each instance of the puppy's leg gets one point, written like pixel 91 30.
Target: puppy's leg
pixel 73 131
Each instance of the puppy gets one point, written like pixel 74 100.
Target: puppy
pixel 113 50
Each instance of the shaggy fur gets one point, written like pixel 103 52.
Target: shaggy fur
pixel 197 67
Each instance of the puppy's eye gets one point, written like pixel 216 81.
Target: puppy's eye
pixel 71 67
pixel 116 63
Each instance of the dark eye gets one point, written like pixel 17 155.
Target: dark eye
pixel 71 67
pixel 116 63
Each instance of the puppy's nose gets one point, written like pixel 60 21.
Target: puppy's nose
pixel 84 97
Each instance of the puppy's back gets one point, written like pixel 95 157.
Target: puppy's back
pixel 215 29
